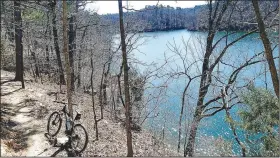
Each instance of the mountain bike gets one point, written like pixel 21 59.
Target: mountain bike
pixel 76 133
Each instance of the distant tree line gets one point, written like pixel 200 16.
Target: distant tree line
pixel 164 18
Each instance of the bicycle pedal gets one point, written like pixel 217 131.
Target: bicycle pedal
pixel 47 135
pixel 51 140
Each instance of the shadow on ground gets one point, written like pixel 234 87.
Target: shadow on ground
pixel 13 133
pixel 31 108
pixel 6 80
pixel 68 152
pixel 10 87
pixel 8 93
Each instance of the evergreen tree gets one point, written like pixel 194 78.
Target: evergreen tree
pixel 260 120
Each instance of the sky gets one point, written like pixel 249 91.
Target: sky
pixel 104 7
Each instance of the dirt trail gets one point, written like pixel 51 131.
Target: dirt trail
pixel 23 119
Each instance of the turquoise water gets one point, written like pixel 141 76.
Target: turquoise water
pixel 156 48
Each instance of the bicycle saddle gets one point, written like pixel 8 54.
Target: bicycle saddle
pixel 77 112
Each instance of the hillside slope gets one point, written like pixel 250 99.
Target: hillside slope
pixel 24 114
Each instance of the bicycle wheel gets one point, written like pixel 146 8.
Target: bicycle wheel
pixel 54 124
pixel 79 138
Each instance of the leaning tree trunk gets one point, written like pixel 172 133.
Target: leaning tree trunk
pixel 126 86
pixel 56 46
pixel 267 47
pixel 204 85
pixel 189 150
pixel 180 119
pixel 182 112
pixel 18 43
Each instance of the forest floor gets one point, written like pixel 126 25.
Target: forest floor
pixel 24 114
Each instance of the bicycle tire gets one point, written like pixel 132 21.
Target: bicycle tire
pixel 86 137
pixel 59 126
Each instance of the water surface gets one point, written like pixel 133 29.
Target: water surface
pixel 156 49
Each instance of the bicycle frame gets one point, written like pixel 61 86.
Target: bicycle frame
pixel 69 123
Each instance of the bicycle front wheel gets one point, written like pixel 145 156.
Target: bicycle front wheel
pixel 79 138
pixel 54 124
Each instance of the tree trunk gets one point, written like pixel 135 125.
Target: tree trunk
pixel 80 59
pixel 181 115
pixel 37 73
pixel 66 55
pixel 48 60
pixel 267 47
pixel 126 86
pixel 56 45
pixel 104 87
pixel 163 130
pixel 105 82
pixel 182 111
pixel 18 43
pixel 93 105
pixel 31 67
pixel 100 92
pixel 47 46
pixel 50 49
pixel 79 69
pixel 71 50
pixel 113 88
pixel 72 47
pixel 186 132
pixel 189 151
pixel 204 85
pixel 203 89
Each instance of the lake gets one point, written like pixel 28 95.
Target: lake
pixel 156 48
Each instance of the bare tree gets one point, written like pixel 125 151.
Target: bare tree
pixel 210 60
pixel 214 20
pixel 92 96
pixel 126 84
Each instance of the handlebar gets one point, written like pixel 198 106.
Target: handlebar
pixel 64 110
